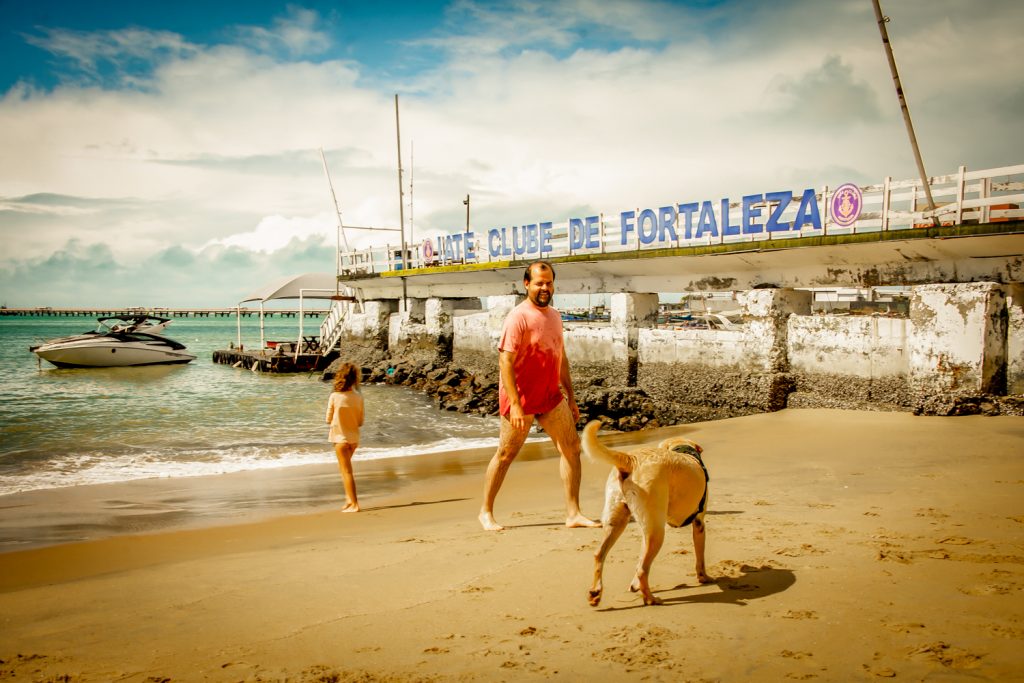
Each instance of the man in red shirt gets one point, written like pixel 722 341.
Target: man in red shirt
pixel 534 382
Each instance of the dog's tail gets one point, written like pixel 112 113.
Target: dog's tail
pixel 598 451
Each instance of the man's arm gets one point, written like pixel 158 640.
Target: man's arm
pixel 506 366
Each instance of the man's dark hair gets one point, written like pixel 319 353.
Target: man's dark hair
pixel 543 265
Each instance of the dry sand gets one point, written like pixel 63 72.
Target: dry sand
pixel 847 545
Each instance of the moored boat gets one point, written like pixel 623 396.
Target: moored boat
pixel 118 341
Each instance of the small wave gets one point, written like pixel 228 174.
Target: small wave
pixel 84 470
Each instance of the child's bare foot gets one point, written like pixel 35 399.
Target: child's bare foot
pixel 488 523
pixel 351 507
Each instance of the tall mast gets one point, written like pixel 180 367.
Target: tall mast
pixel 401 192
pixel 342 239
pixel 903 102
pixel 401 202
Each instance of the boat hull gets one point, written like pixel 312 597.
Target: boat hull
pixel 98 354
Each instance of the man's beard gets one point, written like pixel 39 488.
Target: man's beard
pixel 543 304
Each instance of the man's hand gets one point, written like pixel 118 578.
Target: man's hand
pixel 519 421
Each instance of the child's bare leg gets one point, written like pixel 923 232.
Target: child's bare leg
pixel 345 451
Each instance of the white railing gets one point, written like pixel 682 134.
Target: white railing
pixel 332 325
pixel 964 197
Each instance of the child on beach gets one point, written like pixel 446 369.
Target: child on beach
pixel 345 416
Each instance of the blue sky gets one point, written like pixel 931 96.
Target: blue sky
pixel 166 154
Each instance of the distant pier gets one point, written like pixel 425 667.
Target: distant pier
pixel 48 311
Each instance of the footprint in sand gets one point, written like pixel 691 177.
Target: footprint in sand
pixel 997 582
pixel 947 655
pixel 912 627
pixel 804 549
pixel 955 540
pixel 880 672
pixel 799 614
pixel 643 646
pixel 894 553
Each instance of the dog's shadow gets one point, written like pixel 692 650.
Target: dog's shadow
pixel 753 583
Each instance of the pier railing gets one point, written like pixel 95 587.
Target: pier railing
pixel 962 197
pixel 48 311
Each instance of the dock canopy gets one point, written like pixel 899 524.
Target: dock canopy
pixel 305 286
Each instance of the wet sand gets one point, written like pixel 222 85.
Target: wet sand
pixel 847 546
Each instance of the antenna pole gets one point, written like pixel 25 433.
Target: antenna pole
pixel 903 102
pixel 401 199
pixel 341 238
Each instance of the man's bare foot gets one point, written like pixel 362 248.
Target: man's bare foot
pixel 579 521
pixel 351 507
pixel 488 523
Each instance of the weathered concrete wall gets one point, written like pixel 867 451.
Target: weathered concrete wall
pixel 962 344
pixel 1014 338
pixel 767 313
pixel 719 348
pixel 849 362
pixel 476 335
pixel 423 332
pixel 364 340
pixel 958 345
pixel 598 355
pixel 703 374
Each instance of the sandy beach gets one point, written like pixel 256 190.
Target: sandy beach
pixel 846 545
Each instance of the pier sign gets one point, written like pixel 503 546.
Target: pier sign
pixel 673 225
pixel 846 204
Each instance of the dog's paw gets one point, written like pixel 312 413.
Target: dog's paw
pixel 652 600
pixel 594 597
pixel 705 578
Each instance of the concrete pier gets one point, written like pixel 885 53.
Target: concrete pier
pixel 960 345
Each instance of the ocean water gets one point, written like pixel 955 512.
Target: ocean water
pixel 62 428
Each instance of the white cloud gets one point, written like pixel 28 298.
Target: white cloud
pixel 539 111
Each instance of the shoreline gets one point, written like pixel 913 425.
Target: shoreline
pixel 846 545
pixel 89 512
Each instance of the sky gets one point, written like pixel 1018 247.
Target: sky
pixel 168 154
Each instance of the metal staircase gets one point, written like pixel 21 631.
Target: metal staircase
pixel 334 324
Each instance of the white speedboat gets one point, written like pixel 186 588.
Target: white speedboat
pixel 118 341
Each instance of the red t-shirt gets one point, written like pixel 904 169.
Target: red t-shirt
pixel 534 335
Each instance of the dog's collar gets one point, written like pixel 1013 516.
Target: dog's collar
pixel 687 449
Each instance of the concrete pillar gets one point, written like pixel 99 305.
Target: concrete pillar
pixel 364 340
pixel 498 307
pixel 767 314
pixel 629 312
pixel 958 341
pixel 1014 338
pixel 406 325
pixel 475 337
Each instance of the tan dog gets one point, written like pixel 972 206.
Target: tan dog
pixel 663 485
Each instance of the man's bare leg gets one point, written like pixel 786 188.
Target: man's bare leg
pixel 510 440
pixel 560 426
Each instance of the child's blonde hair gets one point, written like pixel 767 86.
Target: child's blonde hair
pixel 346 378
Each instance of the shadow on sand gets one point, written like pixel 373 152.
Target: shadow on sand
pixel 753 584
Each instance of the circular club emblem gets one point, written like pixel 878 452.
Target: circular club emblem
pixel 847 202
pixel 428 251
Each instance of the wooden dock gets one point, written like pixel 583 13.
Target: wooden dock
pixel 281 359
pixel 48 311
